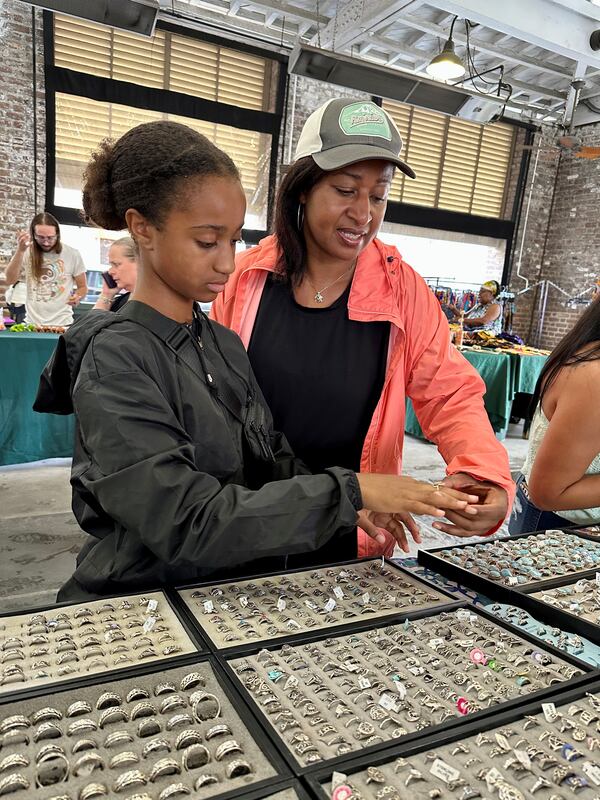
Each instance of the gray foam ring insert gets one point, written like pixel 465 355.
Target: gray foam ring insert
pixel 395 660
pixel 83 659
pixel 252 753
pixel 269 608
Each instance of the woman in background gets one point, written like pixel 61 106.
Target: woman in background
pixel 560 482
pixel 123 270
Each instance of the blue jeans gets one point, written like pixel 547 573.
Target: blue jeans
pixel 526 517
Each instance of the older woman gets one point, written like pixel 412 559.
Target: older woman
pixel 486 315
pixel 340 330
pixel 122 258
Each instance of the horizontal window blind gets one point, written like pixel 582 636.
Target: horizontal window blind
pixel 167 61
pixel 81 124
pixel 460 165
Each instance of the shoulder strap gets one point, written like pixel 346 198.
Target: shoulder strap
pixel 175 335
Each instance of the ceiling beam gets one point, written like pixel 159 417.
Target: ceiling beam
pixel 355 18
pixel 561 26
pixel 489 48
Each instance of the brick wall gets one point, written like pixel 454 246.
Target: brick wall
pixel 558 239
pixel 17 202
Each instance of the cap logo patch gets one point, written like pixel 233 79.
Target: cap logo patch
pixel 364 119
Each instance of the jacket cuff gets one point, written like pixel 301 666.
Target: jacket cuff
pixel 350 489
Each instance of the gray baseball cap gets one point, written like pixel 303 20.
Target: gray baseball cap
pixel 341 132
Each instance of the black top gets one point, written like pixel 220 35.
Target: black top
pixel 120 300
pixel 321 373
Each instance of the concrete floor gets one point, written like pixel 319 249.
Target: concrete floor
pixel 39 538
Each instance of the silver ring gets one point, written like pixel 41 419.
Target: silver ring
pixel 79 726
pixel 131 778
pixel 164 766
pixel 47 774
pixel 79 707
pixel 173 790
pixel 125 759
pixel 117 738
pixel 194 756
pixel 207 700
pixel 12 761
pixel 45 714
pixel 137 694
pixel 16 721
pixel 86 764
pixel 48 752
pixel 238 767
pixel 143 709
pixel 164 688
pixel 155 746
pixel 179 719
pixel 108 699
pixel 222 729
pixel 191 680
pixel 172 702
pixel 148 727
pixel 188 737
pixel 113 714
pixel 225 749
pixel 12 783
pixel 204 780
pixel 93 790
pixel 47 730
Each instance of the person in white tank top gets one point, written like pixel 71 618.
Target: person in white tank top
pixel 560 481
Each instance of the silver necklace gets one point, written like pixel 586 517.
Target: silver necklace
pixel 318 298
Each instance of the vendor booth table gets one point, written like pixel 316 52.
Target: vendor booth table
pixel 24 434
pixel 505 376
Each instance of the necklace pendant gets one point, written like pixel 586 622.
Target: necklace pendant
pixel 318 297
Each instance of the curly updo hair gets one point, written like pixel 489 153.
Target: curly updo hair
pixel 149 168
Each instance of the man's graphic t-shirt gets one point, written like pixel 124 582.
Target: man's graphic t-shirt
pixel 47 298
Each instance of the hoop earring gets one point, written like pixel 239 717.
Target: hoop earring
pixel 300 218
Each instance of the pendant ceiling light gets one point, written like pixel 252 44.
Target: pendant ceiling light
pixel 446 65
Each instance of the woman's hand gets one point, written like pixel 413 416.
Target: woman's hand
pixel 396 494
pixel 397 525
pixel 492 507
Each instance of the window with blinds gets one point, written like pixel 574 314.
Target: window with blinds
pixel 460 165
pixel 174 63
pixel 81 124
pixel 167 61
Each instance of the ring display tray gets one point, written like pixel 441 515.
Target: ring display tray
pixel 335 695
pixel 264 608
pixel 527 562
pixel 522 753
pixel 64 642
pixel 163 732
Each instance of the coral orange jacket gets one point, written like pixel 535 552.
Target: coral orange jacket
pixel 446 392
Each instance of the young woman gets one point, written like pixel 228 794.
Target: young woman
pixel 123 269
pixel 177 472
pixel 560 482
pixel 340 330
pixel 54 273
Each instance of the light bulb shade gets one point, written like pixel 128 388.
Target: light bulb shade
pixel 446 65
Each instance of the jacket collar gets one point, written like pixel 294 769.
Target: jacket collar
pixel 377 284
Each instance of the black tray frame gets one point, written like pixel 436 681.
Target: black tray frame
pixel 260 789
pixel 471 727
pixel 589 674
pixel 430 559
pixel 294 638
pixel 113 674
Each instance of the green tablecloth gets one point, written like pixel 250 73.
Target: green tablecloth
pixel 504 375
pixel 24 434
